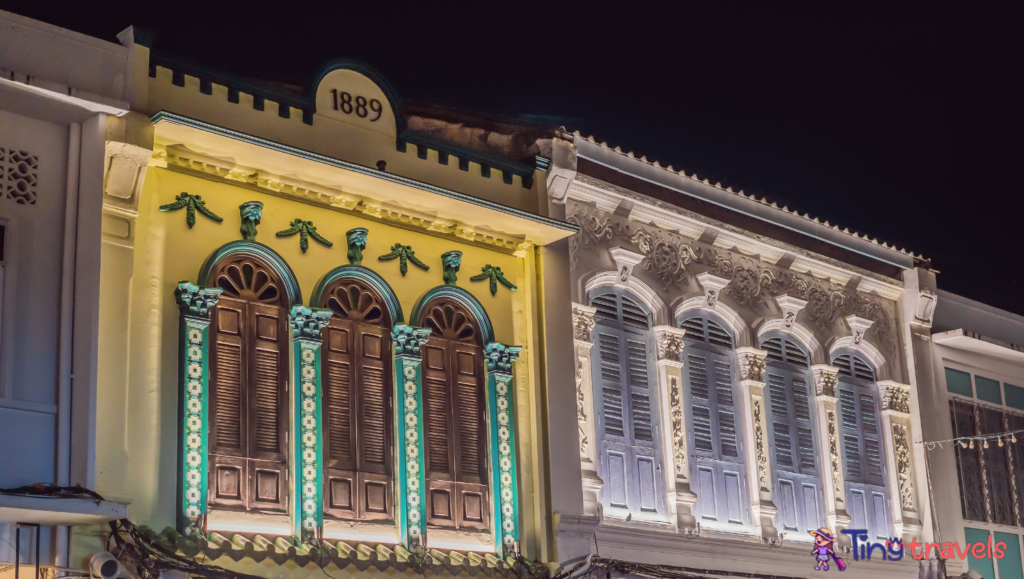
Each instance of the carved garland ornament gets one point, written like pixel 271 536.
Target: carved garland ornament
pixel 678 433
pixel 825 383
pixel 833 452
pixel 899 436
pixel 762 458
pixel 670 346
pixel 581 412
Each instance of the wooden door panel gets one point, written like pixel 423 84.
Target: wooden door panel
pixel 707 501
pixel 472 506
pixel 374 386
pixel 441 503
pixel 376 494
pixel 439 439
pixel 268 365
pixel 340 498
pixel 467 401
pixel 228 482
pixel 268 486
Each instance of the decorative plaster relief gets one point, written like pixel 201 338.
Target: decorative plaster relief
pixel 752 363
pixel 252 213
pixel 404 254
pixel 494 276
pixel 451 261
pixel 593 230
pixel 191 203
pixel 903 475
pixel 305 229
pixel 625 261
pixel 759 445
pixel 859 326
pixel 791 306
pixel 826 378
pixel 750 283
pixel 670 343
pixel 833 452
pixel 678 432
pixel 712 285
pixel 895 396
pixel 581 409
pixel 356 239
pixel 583 322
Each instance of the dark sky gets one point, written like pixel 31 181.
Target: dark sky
pixel 904 123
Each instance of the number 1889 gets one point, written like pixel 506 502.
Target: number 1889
pixel 344 102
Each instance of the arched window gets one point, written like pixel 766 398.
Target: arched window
pixel 625 387
pixel 249 366
pixel 795 477
pixel 863 455
pixel 357 406
pixel 717 467
pixel 454 420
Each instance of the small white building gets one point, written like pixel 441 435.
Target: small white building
pixel 970 372
pixel 63 109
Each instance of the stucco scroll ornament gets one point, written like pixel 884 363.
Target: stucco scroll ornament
pixel 678 433
pixel 750 284
pixel 833 452
pixel 751 366
pixel 665 258
pixel 581 411
pixel 899 436
pixel 670 346
pixel 592 231
pixel 252 212
pixel 762 458
pixel 896 398
pixel 825 300
pixel 582 324
pixel 870 309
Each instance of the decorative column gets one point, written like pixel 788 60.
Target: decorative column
pixel 307 325
pixel 582 325
pixel 906 520
pixel 504 480
pixel 825 381
pixel 762 504
pixel 410 509
pixel 194 397
pixel 670 345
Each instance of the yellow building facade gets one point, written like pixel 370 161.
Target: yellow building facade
pixel 320 337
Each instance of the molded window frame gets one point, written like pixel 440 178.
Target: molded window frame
pixel 631 502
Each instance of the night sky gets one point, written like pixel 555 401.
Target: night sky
pixel 903 123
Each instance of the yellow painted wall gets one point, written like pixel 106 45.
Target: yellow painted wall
pixel 186 249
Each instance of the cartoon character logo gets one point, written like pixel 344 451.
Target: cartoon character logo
pixel 823 541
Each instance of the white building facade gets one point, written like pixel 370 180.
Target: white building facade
pixel 741 379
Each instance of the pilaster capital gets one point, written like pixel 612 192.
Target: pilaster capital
pixel 670 343
pixel 582 324
pixel 500 358
pixel 751 363
pixel 825 380
pixel 895 397
pixel 408 341
pixel 307 323
pixel 194 301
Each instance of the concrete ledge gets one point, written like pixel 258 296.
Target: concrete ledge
pixel 58 511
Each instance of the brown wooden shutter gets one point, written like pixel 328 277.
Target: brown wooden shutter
pixel 438 434
pixel 357 414
pixel 229 475
pixel 468 403
pixel 268 406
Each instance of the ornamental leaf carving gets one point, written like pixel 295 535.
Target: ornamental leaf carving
pixel 581 409
pixel 750 283
pixel 759 444
pixel 592 231
pixel 833 452
pixel 582 324
pixel 899 437
pixel 678 432
pixel 664 257
pixel 751 366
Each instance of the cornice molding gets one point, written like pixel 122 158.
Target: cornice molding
pixel 673 220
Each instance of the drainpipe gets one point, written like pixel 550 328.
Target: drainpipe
pixel 67 307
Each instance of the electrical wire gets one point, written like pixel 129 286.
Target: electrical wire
pixel 1009 436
